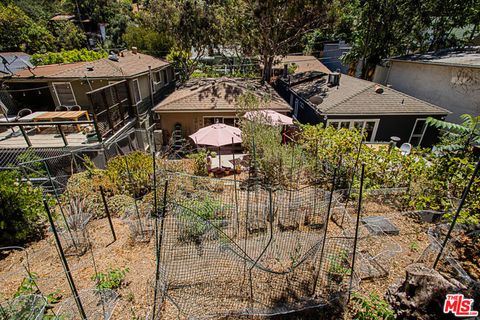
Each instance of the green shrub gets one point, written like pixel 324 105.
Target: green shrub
pixel 141 172
pixel 112 279
pixel 199 216
pixel 200 158
pixel 371 308
pixel 69 56
pixel 118 203
pixel 22 214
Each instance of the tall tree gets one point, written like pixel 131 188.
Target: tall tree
pixel 199 25
pixel 21 33
pixel 379 29
pixel 270 28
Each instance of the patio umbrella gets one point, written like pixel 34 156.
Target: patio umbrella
pixel 217 135
pixel 269 117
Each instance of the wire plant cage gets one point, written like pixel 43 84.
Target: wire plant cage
pixel 228 250
pixel 97 304
pixel 24 307
pixel 140 222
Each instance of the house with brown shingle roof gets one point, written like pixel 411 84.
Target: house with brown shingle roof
pixel 202 102
pixel 108 98
pixel 45 87
pixel 343 101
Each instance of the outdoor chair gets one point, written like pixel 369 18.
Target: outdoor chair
pixel 23 113
pixel 61 108
pixel 75 108
pixel 6 118
pixel 406 148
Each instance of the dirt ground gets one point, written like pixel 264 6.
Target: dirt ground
pixel 392 252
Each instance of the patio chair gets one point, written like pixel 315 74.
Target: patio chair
pixel 23 113
pixel 406 148
pixel 6 118
pixel 61 108
pixel 75 108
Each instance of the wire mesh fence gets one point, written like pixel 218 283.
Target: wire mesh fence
pixel 214 247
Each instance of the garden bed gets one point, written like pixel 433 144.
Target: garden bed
pixel 135 298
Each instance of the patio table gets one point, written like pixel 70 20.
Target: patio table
pixel 62 115
pixel 31 116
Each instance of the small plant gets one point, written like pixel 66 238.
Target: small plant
pixel 339 262
pixel 200 159
pixel 28 299
pixel 371 308
pixel 414 247
pixel 130 297
pixel 112 279
pixel 199 216
pixel 339 266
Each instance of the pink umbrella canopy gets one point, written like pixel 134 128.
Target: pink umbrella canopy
pixel 217 135
pixel 269 117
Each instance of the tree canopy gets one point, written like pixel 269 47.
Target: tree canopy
pixel 262 30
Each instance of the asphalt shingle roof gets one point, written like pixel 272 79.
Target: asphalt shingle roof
pixel 128 65
pixel 358 97
pixel 304 63
pixel 468 57
pixel 219 94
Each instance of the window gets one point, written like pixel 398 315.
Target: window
pixel 136 92
pixel 157 78
pixel 366 126
pixel 64 93
pixel 164 76
pixel 231 121
pixel 418 132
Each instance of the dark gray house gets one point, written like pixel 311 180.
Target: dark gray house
pixel 346 102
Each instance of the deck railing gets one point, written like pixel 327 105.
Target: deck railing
pixel 58 124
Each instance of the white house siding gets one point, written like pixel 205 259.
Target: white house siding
pixel 437 84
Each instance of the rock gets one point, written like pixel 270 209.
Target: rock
pixel 422 294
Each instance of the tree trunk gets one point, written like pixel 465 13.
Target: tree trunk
pixel 267 68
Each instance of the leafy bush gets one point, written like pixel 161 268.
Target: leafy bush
pixel 112 279
pixel 147 40
pixel 70 56
pixel 200 158
pixel 118 203
pixel 22 214
pixel 273 161
pixel 199 216
pixel 371 308
pixel 138 183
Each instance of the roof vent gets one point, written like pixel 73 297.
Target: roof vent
pixel 378 89
pixel 113 56
pixel 316 100
pixel 334 79
pixel 89 68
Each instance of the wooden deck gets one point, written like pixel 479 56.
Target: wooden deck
pixel 42 139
